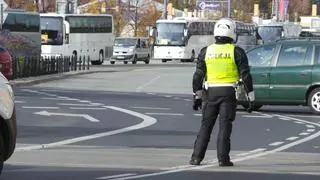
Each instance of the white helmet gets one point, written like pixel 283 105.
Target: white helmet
pixel 225 27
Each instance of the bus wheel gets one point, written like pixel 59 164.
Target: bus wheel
pixel 182 60
pixel 112 62
pixel 125 62
pixel 164 60
pixel 101 58
pixel 135 59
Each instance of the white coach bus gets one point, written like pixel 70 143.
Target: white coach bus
pixel 77 35
pixel 182 39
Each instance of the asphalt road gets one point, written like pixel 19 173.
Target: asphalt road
pixel 137 123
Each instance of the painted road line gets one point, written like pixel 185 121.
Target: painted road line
pixel 85 101
pixel 197 114
pixel 147 121
pixel 310 130
pixel 292 138
pixel 255 116
pixel 167 96
pixel 285 119
pixel 86 116
pixel 253 156
pixel 39 107
pixel 87 108
pixel 304 134
pixel 298 122
pixel 165 114
pixel 117 176
pixel 305 116
pixel 59 99
pixel 19 102
pixel 153 108
pixel 152 81
pixel 187 99
pixel 310 126
pixel 69 104
pixel 251 152
pixel 276 143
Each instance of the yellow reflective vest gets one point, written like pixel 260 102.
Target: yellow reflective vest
pixel 221 66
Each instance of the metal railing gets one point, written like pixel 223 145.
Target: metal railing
pixel 34 66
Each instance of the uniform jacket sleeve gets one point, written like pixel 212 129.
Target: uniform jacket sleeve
pixel 241 60
pixel 201 70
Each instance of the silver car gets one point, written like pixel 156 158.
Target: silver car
pixel 131 49
pixel 8 127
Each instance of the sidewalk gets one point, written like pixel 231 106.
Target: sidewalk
pixel 50 77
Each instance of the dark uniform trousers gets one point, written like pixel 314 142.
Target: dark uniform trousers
pixel 216 101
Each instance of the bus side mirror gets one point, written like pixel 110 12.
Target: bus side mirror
pixel 151 32
pixel 185 33
pixel 66 29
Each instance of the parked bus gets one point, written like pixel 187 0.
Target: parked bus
pixel 272 31
pixel 77 35
pixel 182 38
pixel 20 33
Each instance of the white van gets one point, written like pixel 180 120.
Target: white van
pixel 131 49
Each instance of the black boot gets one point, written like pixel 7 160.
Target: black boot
pixel 225 163
pixel 195 162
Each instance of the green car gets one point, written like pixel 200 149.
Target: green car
pixel 286 72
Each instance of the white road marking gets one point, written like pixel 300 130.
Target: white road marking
pixel 87 108
pixel 304 133
pixel 264 153
pixel 84 101
pixel 251 152
pixel 39 107
pixel 67 104
pixel 116 176
pixel 59 99
pixel 152 81
pixel 167 96
pixel 165 114
pixel 310 126
pixel 147 121
pixel 154 108
pixel 310 130
pixel 275 144
pixel 19 102
pixel 292 138
pixel 285 119
pixel 197 114
pixel 255 116
pixel 298 122
pixel 305 116
pixel 86 116
pixel 187 99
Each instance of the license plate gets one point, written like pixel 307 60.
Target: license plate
pixel 120 57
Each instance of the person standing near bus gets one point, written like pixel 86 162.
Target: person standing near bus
pixel 220 65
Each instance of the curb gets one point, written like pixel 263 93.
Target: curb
pixel 52 77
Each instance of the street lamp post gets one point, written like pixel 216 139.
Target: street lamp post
pixel 229 8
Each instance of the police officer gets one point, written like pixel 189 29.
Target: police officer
pixel 220 66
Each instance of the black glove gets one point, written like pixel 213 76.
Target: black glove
pixel 197 103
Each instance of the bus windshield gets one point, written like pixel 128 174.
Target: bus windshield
pixel 51 30
pixel 170 34
pixel 270 33
pixel 125 42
